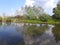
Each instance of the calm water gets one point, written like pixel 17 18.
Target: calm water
pixel 29 34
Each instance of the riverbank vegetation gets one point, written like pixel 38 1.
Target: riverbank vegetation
pixel 35 14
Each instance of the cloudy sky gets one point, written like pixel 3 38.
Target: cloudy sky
pixel 10 6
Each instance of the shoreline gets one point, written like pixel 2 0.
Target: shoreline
pixel 33 22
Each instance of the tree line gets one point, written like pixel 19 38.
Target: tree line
pixel 36 13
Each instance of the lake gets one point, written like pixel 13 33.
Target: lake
pixel 29 34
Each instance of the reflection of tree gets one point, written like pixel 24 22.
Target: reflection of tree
pixel 56 31
pixel 0 23
pixel 34 30
pixel 8 23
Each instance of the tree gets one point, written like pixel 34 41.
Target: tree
pixel 56 11
pixel 33 12
pixel 45 17
pixel 0 19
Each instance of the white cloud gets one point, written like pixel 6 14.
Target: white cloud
pixel 46 4
pixel 29 2
pixel 50 4
pixel 43 3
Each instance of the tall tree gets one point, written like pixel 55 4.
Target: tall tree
pixel 34 11
pixel 56 11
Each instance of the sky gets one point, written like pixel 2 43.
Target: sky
pixel 10 6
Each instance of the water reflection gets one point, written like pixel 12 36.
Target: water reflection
pixel 10 36
pixel 0 23
pixel 34 30
pixel 56 31
pixel 29 34
pixel 39 35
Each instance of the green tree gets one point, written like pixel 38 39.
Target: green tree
pixel 45 17
pixel 33 12
pixel 0 19
pixel 56 11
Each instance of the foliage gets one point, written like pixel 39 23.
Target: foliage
pixel 45 17
pixel 56 11
pixel 0 18
pixel 56 31
pixel 33 12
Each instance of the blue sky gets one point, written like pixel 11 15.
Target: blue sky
pixel 9 6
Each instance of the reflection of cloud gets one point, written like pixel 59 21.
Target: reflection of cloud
pixel 43 39
pixel 50 30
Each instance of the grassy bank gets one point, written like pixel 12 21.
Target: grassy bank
pixel 37 21
pixel 15 20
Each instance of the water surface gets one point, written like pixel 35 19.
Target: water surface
pixel 29 34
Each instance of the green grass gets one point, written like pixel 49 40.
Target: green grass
pixel 32 21
pixel 37 21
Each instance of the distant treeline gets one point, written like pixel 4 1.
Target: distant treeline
pixel 34 13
